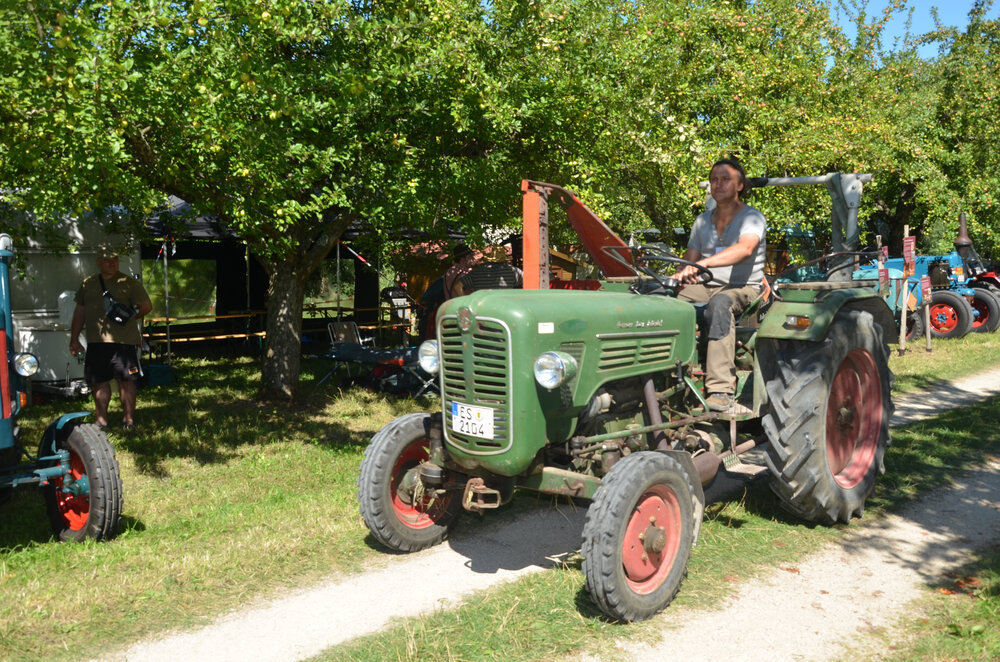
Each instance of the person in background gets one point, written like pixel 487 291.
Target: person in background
pixel 111 306
pixel 465 258
pixel 730 241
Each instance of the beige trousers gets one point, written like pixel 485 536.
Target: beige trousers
pixel 725 304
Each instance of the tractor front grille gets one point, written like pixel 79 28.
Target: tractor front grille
pixel 475 368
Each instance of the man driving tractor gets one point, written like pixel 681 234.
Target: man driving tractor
pixel 730 241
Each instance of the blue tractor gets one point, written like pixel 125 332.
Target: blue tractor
pixel 961 300
pixel 75 465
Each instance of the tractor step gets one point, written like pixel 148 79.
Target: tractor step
pixel 749 464
pixel 749 470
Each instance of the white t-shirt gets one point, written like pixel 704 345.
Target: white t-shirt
pixel 705 240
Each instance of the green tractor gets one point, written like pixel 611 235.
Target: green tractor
pixel 597 395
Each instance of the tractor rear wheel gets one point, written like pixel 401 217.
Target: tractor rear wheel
pixel 401 518
pixel 828 417
pixel 93 506
pixel 951 315
pixel 638 535
pixel 986 309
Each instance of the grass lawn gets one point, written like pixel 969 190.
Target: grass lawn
pixel 961 616
pixel 947 360
pixel 228 500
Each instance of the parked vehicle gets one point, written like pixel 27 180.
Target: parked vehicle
pixel 598 395
pixel 75 465
pixel 964 295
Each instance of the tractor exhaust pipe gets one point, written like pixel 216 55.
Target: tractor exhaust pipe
pixel 963 240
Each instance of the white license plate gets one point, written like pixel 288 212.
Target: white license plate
pixel 474 421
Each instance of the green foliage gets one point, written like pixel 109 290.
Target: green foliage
pixel 191 285
pixel 288 121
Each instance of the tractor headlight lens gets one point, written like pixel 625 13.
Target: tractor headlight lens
pixel 25 364
pixel 427 356
pixel 553 369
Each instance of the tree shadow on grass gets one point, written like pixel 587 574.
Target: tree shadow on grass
pixel 211 413
pixel 25 521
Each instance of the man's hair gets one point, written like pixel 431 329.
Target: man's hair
pixel 735 165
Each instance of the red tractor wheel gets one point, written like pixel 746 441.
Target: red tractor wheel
pixel 951 315
pixel 638 536
pixel 986 311
pixel 394 504
pixel 828 417
pixel 87 502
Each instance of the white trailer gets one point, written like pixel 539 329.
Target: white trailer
pixel 43 287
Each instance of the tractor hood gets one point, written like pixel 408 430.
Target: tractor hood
pixel 569 315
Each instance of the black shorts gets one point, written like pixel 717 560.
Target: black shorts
pixel 109 360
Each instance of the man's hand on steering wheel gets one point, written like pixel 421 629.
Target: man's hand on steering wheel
pixel 692 272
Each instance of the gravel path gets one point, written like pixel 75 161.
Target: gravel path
pixel 858 584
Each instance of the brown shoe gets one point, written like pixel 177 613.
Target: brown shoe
pixel 720 401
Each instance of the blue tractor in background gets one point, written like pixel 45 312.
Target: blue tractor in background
pixel 75 465
pixel 964 296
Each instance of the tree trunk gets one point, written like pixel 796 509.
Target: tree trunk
pixel 282 350
pixel 287 276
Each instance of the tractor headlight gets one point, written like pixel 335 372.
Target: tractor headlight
pixel 6 243
pixel 554 368
pixel 25 364
pixel 427 356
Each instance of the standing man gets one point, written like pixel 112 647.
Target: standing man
pixel 730 241
pixel 110 305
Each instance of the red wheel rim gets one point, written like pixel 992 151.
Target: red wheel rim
pixel 75 509
pixel 652 538
pixel 853 418
pixel 982 313
pixel 426 511
pixel 944 318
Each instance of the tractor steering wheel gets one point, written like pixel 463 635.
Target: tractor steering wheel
pixel 669 283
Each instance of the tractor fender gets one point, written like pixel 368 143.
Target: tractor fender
pixel 820 311
pixel 60 428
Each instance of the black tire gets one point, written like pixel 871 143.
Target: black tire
pixel 915 329
pixel 404 527
pixel 823 468
pixel 951 315
pixel 96 514
pixel 627 578
pixel 986 309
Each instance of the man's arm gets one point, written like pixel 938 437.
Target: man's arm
pixel 143 309
pixel 75 328
pixel 727 257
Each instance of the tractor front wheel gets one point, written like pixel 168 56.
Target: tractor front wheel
pixel 951 315
pixel 87 502
pixel 915 325
pixel 395 507
pixel 828 417
pixel 638 535
pixel 986 309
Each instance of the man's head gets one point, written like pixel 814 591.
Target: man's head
pixel 727 180
pixel 107 260
pixel 461 252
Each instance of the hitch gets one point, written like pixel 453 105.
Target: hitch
pixel 478 497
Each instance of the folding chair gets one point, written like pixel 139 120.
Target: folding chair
pixel 346 345
pixel 348 332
